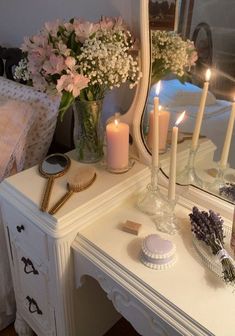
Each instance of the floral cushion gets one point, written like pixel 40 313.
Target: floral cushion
pixel 16 120
pixel 46 110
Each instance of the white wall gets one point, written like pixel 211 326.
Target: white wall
pixel 19 18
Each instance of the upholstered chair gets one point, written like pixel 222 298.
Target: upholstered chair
pixel 27 123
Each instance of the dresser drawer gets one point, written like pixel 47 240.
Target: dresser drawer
pixel 25 232
pixel 42 322
pixel 32 288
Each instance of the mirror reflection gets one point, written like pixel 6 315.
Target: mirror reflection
pixel 54 164
pixel 192 50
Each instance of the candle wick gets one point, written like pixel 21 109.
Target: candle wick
pixel 117 114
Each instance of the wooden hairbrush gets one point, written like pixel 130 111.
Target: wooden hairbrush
pixel 83 178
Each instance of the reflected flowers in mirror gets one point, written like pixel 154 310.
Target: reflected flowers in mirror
pixel 171 55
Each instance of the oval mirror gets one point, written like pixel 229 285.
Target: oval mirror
pixel 53 166
pixel 210 25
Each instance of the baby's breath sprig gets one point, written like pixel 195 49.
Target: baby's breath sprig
pixel 171 54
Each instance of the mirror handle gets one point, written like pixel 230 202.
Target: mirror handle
pixel 61 202
pixel 47 193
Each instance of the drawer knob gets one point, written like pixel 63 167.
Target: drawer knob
pixel 20 228
pixel 28 264
pixel 33 307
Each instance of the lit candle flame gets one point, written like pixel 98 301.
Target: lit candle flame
pixel 158 87
pixel 208 75
pixel 116 122
pixel 180 118
pixel 160 107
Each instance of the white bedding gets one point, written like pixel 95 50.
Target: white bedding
pixel 215 118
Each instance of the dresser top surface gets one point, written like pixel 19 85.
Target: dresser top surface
pixel 188 285
pixel 28 187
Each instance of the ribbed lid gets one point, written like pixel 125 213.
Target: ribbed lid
pixel 157 248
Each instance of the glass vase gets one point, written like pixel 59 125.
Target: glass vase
pixel 88 131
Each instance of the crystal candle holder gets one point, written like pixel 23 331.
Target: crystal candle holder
pixel 220 186
pixel 167 221
pixel 152 201
pixel 219 181
pixel 188 175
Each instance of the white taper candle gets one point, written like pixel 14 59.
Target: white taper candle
pixel 172 171
pixel 155 149
pixel 228 138
pixel 200 113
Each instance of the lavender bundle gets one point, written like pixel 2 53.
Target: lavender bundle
pixel 208 227
pixel 228 191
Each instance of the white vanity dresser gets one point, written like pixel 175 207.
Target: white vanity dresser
pixel 69 268
pixel 186 299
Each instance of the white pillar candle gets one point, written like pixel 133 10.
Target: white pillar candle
pixel 155 149
pixel 164 118
pixel 117 134
pixel 200 113
pixel 228 138
pixel 173 154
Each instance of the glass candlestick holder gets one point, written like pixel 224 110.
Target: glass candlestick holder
pixel 188 175
pixel 152 201
pixel 219 185
pixel 167 221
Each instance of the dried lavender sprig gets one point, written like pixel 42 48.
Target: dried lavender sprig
pixel 208 227
pixel 228 267
pixel 228 191
pixel 217 222
pixel 204 225
pixel 228 270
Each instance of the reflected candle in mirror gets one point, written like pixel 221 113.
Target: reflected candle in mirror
pixel 228 138
pixel 117 135
pixel 164 118
pixel 200 112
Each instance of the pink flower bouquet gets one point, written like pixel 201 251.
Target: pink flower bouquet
pixel 79 59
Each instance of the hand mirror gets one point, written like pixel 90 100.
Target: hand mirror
pixel 54 165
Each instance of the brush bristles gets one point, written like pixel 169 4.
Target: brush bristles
pixel 83 178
